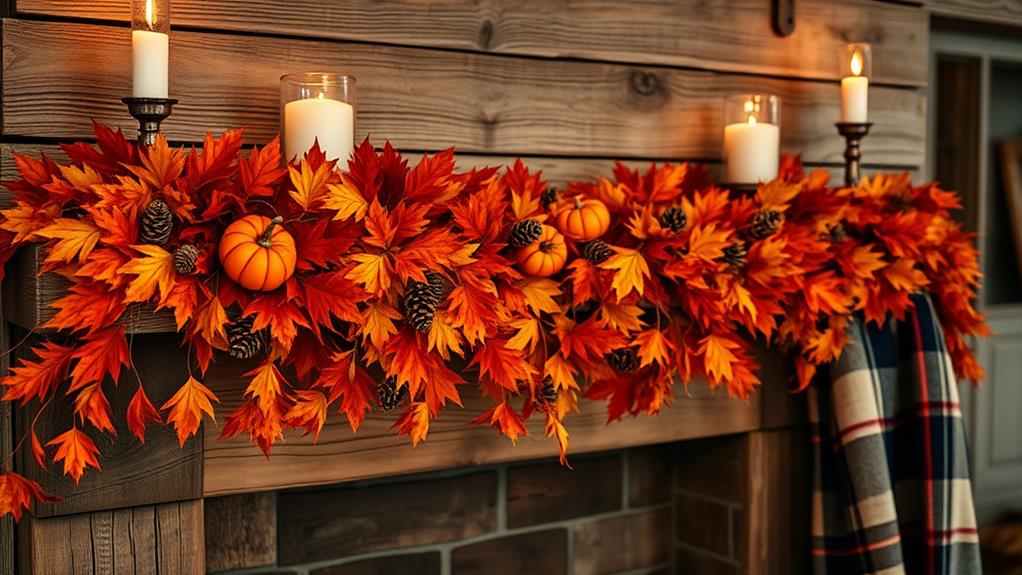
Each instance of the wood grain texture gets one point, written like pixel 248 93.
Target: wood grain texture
pixel 28 296
pixel 722 35
pixel 427 99
pixel 132 474
pixel 997 11
pixel 6 443
pixel 146 540
pixel 241 531
pixel 234 466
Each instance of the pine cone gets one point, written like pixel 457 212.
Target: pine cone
pixel 157 223
pixel 548 393
pixel 548 197
pixel 388 394
pixel 735 254
pixel 420 305
pixel 899 202
pixel 524 233
pixel 764 224
pixel 185 258
pixel 597 251
pixel 436 286
pixel 836 233
pixel 623 359
pixel 242 343
pixel 674 219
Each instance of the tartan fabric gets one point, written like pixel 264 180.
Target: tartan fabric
pixel 892 491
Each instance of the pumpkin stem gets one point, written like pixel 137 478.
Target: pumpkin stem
pixel 266 240
pixel 546 246
pixel 578 202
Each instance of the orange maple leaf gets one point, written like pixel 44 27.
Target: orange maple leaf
pixel 77 451
pixel 310 185
pixel 718 356
pixel 102 354
pixel 414 422
pixel 187 406
pixel 267 385
pixel 378 322
pixel 630 270
pixel 76 238
pixel 308 412
pixel 154 271
pixel 141 413
pixel 24 220
pixel 161 164
pixel 503 365
pixel 346 200
pixel 554 428
pixel 17 494
pixel 38 378
pixel 504 419
pixel 653 347
pixel 372 271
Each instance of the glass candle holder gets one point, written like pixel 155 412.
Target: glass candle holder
pixel 855 68
pixel 150 48
pixel 752 138
pixel 317 107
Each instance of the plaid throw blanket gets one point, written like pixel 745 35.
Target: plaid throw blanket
pixel 892 491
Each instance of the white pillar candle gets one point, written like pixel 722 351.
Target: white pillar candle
pixel 855 92
pixel 751 152
pixel 330 122
pixel 150 53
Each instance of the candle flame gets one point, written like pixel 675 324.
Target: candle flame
pixel 321 96
pixel 856 63
pixel 752 120
pixel 149 17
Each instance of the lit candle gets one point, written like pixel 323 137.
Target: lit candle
pixel 855 66
pixel 751 147
pixel 150 50
pixel 328 121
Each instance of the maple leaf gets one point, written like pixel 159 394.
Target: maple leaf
pixel 718 356
pixel 554 428
pixel 186 407
pixel 91 405
pixel 561 373
pixel 25 220
pixel 161 164
pixel 904 276
pixel 527 336
pixel 264 427
pixel 378 322
pixel 442 337
pixel 708 243
pixel 622 317
pixel 346 201
pixel 267 385
pixel 372 271
pixel 17 493
pixel 141 413
pixel 38 378
pixel 77 451
pixel 102 354
pixel 586 342
pixel 117 229
pixel 210 321
pixel 539 295
pixel 88 306
pixel 504 419
pixel 346 380
pixel 76 238
pixel 630 270
pixel 653 347
pixel 283 315
pixel 38 451
pixel 308 412
pixel 473 310
pixel 503 365
pixel 261 171
pixel 309 183
pixel 329 295
pixel 215 162
pixel 154 271
pixel 414 422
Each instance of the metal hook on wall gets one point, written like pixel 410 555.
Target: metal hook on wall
pixel 784 17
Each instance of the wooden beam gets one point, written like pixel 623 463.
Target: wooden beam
pixel 1007 12
pixel 234 466
pixel 241 531
pixel 428 99
pixel 722 35
pixel 149 539
pixel 132 474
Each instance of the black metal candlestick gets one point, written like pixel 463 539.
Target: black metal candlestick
pixel 853 132
pixel 747 189
pixel 149 112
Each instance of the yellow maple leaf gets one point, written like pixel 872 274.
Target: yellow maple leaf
pixel 866 261
pixel 718 357
pixel 415 422
pixel 25 220
pixel 76 239
pixel 82 178
pixel 378 322
pixel 539 294
pixel 442 337
pixel 154 270
pixel 187 406
pixel 554 428
pixel 622 317
pixel 630 269
pixel 527 335
pixel 904 276
pixel 524 206
pixel 265 386
pixel 309 184
pixel 346 200
pixel 707 242
pixel 561 373
pixel 372 271
pixel 652 347
pixel 210 320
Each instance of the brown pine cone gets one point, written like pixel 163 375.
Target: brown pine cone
pixel 674 219
pixel 764 224
pixel 157 223
pixel 735 255
pixel 185 258
pixel 623 359
pixel 524 233
pixel 596 251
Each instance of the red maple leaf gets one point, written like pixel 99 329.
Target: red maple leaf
pixel 77 451
pixel 141 413
pixel 17 494
pixel 504 419
pixel 38 378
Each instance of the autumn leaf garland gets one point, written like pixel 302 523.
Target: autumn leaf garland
pixel 689 277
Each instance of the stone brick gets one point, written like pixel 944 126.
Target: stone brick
pixel 649 475
pixel 335 523
pixel 703 524
pixel 545 492
pixel 622 543
pixel 417 563
pixel 540 552
pixel 714 467
pixel 689 561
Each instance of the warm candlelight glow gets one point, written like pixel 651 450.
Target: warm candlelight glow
pixel 149 18
pixel 856 64
pixel 752 120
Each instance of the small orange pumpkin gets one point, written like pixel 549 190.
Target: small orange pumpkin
pixel 258 253
pixel 545 256
pixel 586 220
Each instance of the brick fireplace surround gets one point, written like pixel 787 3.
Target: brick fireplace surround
pixel 669 508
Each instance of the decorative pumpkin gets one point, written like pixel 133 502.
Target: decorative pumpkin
pixel 545 256
pixel 586 220
pixel 258 253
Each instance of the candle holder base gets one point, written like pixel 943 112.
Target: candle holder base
pixel 740 188
pixel 853 133
pixel 149 112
